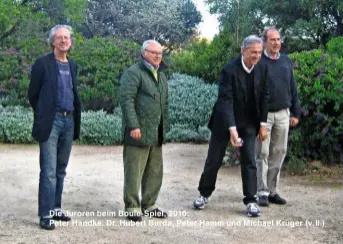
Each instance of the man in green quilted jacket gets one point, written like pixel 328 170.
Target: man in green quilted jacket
pixel 144 104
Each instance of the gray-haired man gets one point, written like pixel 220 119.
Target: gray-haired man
pixel 144 103
pixel 57 115
pixel 239 114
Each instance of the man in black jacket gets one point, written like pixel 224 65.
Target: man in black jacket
pixel 57 114
pixel 283 101
pixel 238 115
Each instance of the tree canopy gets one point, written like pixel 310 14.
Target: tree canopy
pixel 304 23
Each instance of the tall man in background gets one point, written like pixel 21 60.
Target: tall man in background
pixel 283 103
pixel 240 112
pixel 144 104
pixel 57 114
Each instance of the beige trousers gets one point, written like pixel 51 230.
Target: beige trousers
pixel 271 153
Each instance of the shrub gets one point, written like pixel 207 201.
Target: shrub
pixel 335 46
pixel 100 128
pixel 320 83
pixel 190 102
pixel 190 106
pixel 100 62
pixel 15 125
pixel 205 60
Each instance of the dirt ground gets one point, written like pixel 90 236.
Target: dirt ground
pixel 93 194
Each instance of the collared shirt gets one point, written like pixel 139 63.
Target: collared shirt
pixel 265 53
pixel 246 68
pixel 152 69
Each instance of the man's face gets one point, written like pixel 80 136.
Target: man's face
pixel 252 54
pixel 153 54
pixel 273 42
pixel 62 40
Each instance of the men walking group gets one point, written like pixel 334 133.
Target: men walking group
pixel 255 101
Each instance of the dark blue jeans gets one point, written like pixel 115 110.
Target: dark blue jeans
pixel 53 158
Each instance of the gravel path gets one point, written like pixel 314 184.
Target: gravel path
pixel 93 194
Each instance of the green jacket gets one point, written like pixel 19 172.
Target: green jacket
pixel 144 104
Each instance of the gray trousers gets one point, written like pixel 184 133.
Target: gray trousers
pixel 271 153
pixel 143 170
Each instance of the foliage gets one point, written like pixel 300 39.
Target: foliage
pixel 305 24
pixel 15 125
pixel 190 102
pixel 335 46
pixel 319 77
pixel 15 68
pixel 100 128
pixel 30 19
pixel 169 22
pixel 203 59
pixel 190 107
pixel 100 62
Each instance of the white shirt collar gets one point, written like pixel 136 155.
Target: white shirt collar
pixel 246 68
pixel 265 53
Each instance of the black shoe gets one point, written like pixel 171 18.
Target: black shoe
pixel 46 223
pixel 60 216
pixel 156 213
pixel 263 201
pixel 276 199
pixel 135 217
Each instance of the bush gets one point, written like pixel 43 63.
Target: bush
pixel 15 125
pixel 190 102
pixel 319 77
pixel 100 62
pixel 190 106
pixel 100 128
pixel 335 46
pixel 205 60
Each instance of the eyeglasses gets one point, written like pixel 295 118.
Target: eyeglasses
pixel 154 53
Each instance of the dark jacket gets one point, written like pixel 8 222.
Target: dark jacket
pixel 231 105
pixel 144 104
pixel 43 94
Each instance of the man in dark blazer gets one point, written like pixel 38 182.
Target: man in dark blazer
pixel 57 114
pixel 239 115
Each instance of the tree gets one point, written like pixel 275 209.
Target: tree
pixel 27 19
pixel 305 24
pixel 169 22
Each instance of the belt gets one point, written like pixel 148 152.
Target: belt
pixel 66 113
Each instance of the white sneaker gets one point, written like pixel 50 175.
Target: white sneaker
pixel 200 202
pixel 253 210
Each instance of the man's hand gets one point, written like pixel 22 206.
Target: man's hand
pixel 294 121
pixel 136 134
pixel 234 138
pixel 262 133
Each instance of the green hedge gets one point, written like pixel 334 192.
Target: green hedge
pixel 319 135
pixel 190 104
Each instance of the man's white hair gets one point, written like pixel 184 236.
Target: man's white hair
pixel 250 40
pixel 53 30
pixel 147 43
